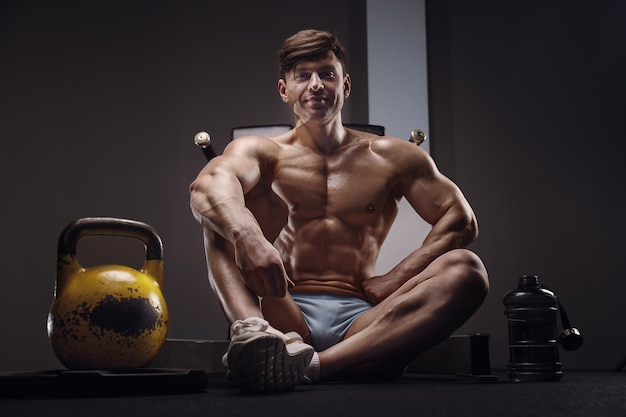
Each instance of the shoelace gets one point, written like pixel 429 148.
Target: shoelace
pixel 242 326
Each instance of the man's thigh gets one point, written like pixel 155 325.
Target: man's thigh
pixel 439 276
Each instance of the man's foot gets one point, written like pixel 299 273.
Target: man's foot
pixel 263 359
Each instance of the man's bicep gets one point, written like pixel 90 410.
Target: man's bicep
pixel 432 196
pixel 430 193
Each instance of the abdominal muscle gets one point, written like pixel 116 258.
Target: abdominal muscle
pixel 329 256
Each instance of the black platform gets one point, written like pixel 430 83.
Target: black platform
pixel 73 384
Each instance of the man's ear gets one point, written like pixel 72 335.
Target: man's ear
pixel 347 86
pixel 282 90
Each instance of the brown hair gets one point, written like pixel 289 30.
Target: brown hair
pixel 309 44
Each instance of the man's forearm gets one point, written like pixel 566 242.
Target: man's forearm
pixel 455 230
pixel 218 202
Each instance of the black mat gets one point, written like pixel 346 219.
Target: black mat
pixel 601 394
pixel 100 383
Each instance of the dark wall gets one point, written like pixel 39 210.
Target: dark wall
pixel 527 104
pixel 100 101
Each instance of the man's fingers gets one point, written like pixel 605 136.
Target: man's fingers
pixel 267 285
pixel 268 282
pixel 280 281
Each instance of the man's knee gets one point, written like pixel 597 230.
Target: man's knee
pixel 469 270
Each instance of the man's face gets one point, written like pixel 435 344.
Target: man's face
pixel 316 90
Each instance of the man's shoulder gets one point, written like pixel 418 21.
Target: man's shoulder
pixel 253 146
pixel 285 138
pixel 406 158
pixel 389 146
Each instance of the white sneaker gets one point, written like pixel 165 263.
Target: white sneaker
pixel 263 359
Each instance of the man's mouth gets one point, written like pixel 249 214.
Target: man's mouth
pixel 317 99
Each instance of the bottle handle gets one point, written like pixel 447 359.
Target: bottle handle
pixel 570 338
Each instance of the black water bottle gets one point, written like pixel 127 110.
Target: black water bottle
pixel 533 348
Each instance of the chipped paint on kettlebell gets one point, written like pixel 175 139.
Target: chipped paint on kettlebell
pixel 111 314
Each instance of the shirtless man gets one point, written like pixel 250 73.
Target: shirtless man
pixel 293 226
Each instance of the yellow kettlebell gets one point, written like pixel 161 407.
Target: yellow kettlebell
pixel 108 316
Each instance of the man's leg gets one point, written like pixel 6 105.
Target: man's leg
pixel 286 316
pixel 419 315
pixel 259 357
pixel 236 300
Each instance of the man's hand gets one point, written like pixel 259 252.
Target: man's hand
pixel 261 267
pixel 379 287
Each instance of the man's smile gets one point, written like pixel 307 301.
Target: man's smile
pixel 316 100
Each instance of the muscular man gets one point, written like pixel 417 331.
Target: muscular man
pixel 293 226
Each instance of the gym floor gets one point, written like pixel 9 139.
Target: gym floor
pixel 579 393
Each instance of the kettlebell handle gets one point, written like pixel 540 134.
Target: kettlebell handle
pixel 114 227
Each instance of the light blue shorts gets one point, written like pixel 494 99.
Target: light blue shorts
pixel 329 316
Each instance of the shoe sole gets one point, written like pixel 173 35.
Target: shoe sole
pixel 264 363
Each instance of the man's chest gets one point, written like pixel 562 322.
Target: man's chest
pixel 348 183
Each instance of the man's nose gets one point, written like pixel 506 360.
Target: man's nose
pixel 315 83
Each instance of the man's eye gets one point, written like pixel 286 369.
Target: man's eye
pixel 331 75
pixel 303 76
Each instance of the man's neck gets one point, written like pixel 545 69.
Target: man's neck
pixel 325 138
